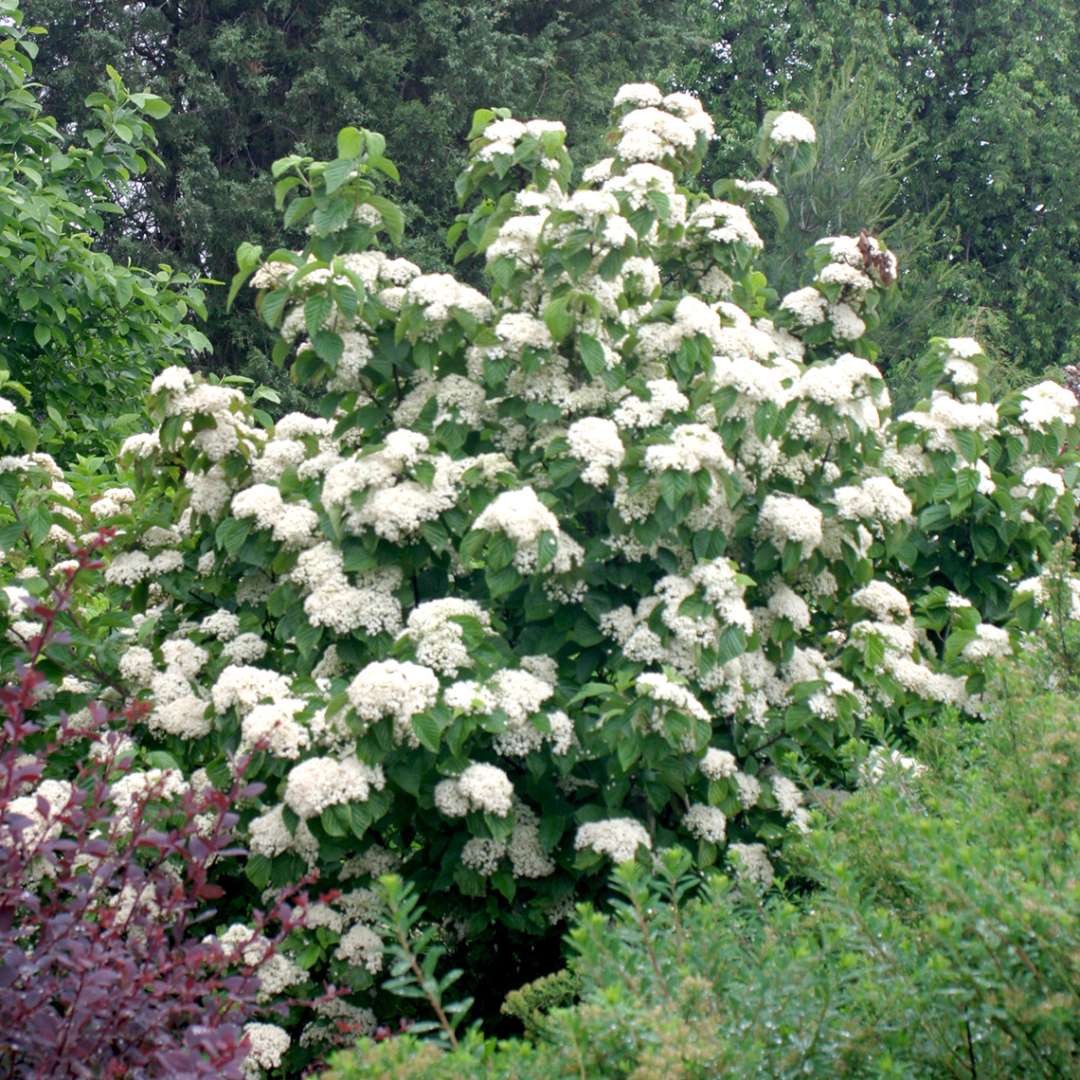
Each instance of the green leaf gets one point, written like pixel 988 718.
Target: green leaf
pixel 298 209
pixel 547 547
pixel 272 306
pixel 330 822
pixel 558 319
pixel 231 534
pixel 552 827
pixel 967 442
pixel 317 309
pixel 628 749
pixel 161 759
pixel 337 173
pixel 257 871
pixel 350 142
pixel 393 218
pixel 408 774
pixel 592 355
pixel 502 582
pixel 428 731
pixel 154 106
pixel 328 346
pixel 731 643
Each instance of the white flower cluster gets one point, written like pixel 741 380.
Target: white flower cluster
pixel 270 836
pixel 335 602
pixel 724 223
pixel 481 787
pixel 501 137
pixel 876 500
pixel 522 517
pixel 751 862
pixel 319 782
pixel 396 689
pixel 440 295
pixel 788 518
pixel 618 838
pixel 990 642
pixel 718 764
pixel 267 1044
pixel 360 945
pixel 135 790
pixel 38 827
pixel 705 823
pixel 662 690
pixel 946 415
pixel 438 637
pixel 791 128
pixel 595 441
pixel 1046 402
pixel 664 128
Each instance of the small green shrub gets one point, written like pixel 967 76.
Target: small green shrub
pixel 942 938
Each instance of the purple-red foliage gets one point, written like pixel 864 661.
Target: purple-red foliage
pixel 89 986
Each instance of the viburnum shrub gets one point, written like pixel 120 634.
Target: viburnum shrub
pixel 623 553
pixel 105 873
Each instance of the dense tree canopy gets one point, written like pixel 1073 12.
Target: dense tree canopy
pixel 991 93
pixel 973 111
pixel 77 329
pixel 250 81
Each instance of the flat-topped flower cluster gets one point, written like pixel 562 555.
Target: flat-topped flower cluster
pixel 625 553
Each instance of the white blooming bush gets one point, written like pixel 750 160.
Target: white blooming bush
pixel 621 552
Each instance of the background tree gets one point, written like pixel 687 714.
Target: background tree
pixel 990 92
pixel 251 81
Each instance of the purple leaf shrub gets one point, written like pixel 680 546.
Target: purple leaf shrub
pixel 107 968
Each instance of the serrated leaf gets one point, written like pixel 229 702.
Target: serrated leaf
pixel 337 173
pixel 317 309
pixel 730 644
pixel 428 731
